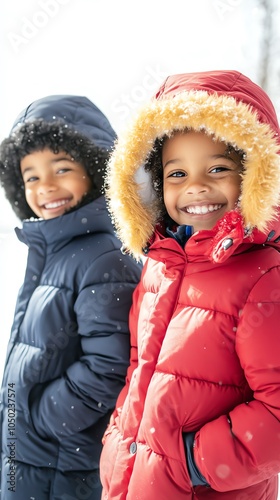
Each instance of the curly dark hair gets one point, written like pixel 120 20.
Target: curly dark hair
pixel 56 136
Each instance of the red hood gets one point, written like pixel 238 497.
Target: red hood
pixel 230 83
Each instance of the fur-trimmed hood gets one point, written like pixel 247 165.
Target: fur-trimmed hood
pixel 224 103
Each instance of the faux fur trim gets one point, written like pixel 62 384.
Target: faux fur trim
pixel 230 121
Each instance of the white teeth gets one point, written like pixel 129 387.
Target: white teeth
pixel 56 204
pixel 203 209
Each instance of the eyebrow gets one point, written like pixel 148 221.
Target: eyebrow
pixel 225 156
pixel 210 157
pixel 67 158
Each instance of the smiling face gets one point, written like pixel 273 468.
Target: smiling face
pixel 201 179
pixel 53 182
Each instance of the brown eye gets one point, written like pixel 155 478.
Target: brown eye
pixel 30 179
pixel 176 174
pixel 219 168
pixel 63 170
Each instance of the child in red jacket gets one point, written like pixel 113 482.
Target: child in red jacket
pixel 194 185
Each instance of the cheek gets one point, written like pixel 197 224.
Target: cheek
pixel 169 201
pixel 78 186
pixel 232 189
pixel 86 183
pixel 170 194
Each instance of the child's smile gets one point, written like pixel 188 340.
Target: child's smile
pixel 55 207
pixel 202 209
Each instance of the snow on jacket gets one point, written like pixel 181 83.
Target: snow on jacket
pixel 205 355
pixel 69 347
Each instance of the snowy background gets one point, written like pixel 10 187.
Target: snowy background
pixel 117 53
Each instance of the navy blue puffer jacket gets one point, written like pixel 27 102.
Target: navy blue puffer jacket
pixel 69 348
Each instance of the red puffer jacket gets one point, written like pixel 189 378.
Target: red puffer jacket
pixel 205 354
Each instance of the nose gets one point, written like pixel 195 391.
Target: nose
pixel 196 186
pixel 46 186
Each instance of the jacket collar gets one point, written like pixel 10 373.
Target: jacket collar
pixel 57 232
pixel 228 237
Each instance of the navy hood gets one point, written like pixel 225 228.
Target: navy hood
pixel 77 112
